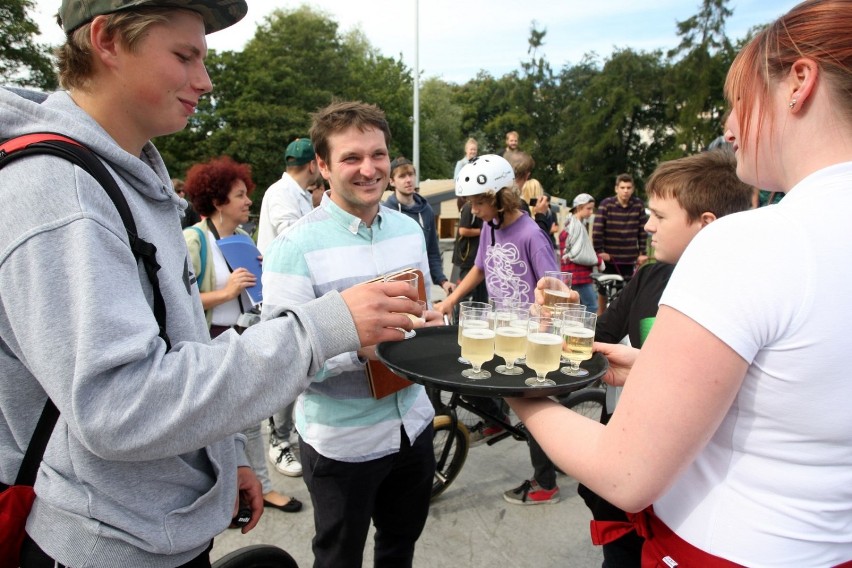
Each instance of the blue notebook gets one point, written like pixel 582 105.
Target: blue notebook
pixel 241 252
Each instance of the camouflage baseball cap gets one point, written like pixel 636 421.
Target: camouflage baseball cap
pixel 217 14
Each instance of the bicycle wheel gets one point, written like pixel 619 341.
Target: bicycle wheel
pixel 451 446
pixel 590 402
pixel 257 556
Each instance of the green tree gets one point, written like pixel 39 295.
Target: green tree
pixel 538 92
pixel 583 125
pixel 520 101
pixel 441 139
pixel 382 81
pixel 576 167
pixel 701 62
pixel 613 121
pixel 267 91
pixel 482 101
pixel 296 63
pixel 23 61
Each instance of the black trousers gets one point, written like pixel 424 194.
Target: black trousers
pixel 32 556
pixel 544 470
pixel 393 492
pixel 624 270
pixel 625 552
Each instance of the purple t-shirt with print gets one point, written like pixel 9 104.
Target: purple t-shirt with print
pixel 520 255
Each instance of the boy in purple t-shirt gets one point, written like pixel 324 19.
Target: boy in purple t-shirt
pixel 514 253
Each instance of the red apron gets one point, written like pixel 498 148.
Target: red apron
pixel 662 548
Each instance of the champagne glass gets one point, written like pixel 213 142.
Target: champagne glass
pixel 557 287
pixel 473 304
pixel 477 346
pixel 560 311
pixel 532 309
pixel 510 328
pixel 462 306
pixel 413 280
pixel 578 332
pixel 500 308
pixel 557 310
pixel 544 347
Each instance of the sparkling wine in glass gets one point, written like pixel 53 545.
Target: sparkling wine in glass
pixel 544 349
pixel 578 333
pixel 413 280
pixel 560 311
pixel 557 287
pixel 510 328
pixel 477 343
pixel 462 306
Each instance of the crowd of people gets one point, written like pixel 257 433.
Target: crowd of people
pixel 726 448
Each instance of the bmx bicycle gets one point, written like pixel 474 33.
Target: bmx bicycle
pixel 456 416
pixel 609 286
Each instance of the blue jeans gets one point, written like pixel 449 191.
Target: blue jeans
pixel 256 454
pixel 588 296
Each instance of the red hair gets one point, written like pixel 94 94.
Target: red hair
pixel 209 184
pixel 816 29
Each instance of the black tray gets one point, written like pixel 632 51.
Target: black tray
pixel 431 359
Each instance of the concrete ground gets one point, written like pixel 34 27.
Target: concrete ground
pixel 470 525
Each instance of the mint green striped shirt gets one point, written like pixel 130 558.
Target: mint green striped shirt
pixel 330 249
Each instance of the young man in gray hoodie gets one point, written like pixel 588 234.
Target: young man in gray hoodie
pixel 142 468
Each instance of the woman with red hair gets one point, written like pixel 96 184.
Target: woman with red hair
pixel 219 190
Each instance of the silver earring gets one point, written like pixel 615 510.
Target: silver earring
pixel 220 217
pixel 792 103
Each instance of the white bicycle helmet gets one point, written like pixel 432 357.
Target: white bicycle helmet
pixel 489 172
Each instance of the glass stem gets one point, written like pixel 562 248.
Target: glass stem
pixel 510 363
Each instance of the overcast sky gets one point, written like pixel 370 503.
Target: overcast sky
pixel 458 38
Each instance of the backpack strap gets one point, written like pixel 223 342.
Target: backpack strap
pixel 73 151
pixel 38 443
pixel 203 253
pixel 78 154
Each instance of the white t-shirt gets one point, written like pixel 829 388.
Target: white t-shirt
pixel 773 487
pixel 284 203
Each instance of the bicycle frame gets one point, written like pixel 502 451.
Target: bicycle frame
pixel 451 443
pixel 456 400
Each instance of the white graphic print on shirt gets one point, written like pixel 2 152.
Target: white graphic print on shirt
pixel 504 269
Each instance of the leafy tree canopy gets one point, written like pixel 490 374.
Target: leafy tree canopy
pixel 23 62
pixel 583 124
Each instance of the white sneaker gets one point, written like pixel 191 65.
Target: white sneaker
pixel 274 447
pixel 284 461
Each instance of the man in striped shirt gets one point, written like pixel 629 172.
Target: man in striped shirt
pixel 364 459
pixel 619 234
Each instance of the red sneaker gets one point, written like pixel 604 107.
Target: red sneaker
pixel 484 433
pixel 531 493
